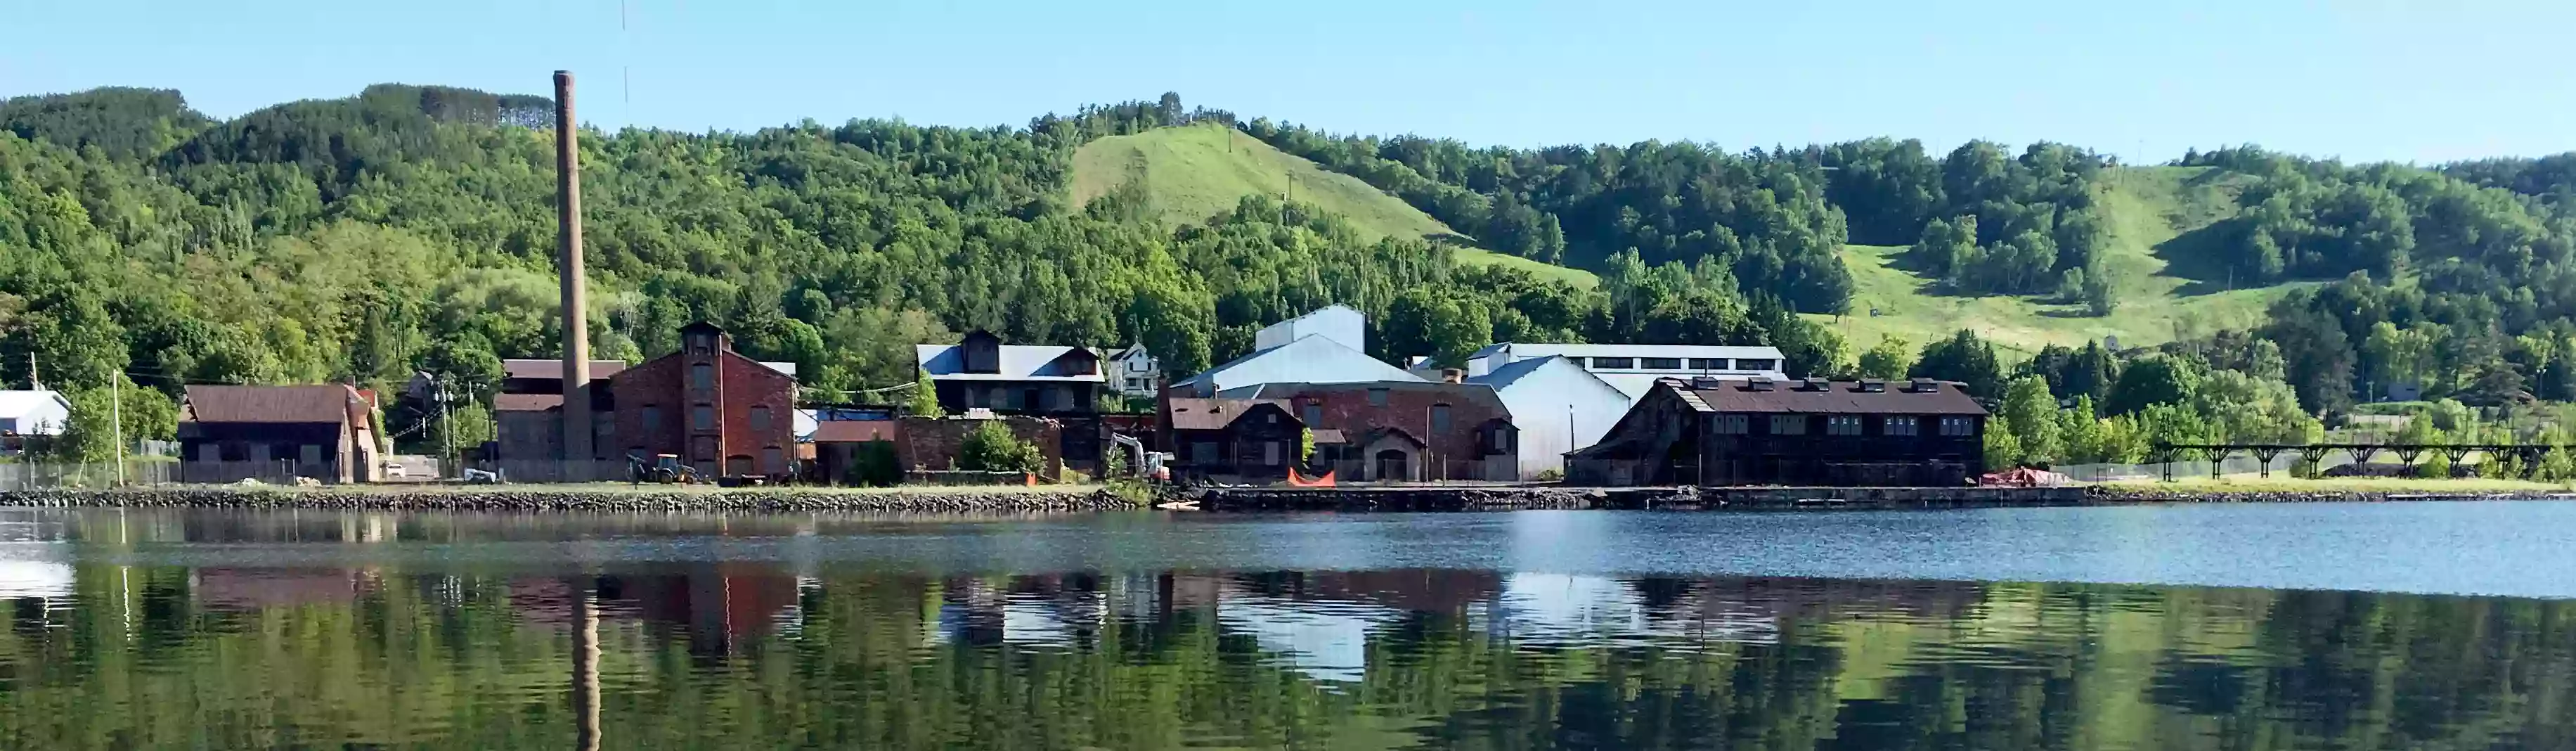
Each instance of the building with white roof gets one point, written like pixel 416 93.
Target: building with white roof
pixel 33 412
pixel 1633 368
pixel 1329 345
pixel 981 371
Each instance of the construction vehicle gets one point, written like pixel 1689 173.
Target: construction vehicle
pixel 665 468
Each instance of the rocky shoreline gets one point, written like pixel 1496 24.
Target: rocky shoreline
pixel 502 498
pixel 2139 494
pixel 936 499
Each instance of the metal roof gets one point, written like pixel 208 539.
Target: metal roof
pixel 1542 349
pixel 1019 362
pixel 1189 413
pixel 1839 397
pixel 16 403
pixel 331 403
pixel 1312 359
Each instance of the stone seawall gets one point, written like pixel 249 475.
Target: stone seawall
pixel 1504 498
pixel 502 498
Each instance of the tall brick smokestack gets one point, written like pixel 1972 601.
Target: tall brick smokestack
pixel 576 331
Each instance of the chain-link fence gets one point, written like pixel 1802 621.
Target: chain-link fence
pixel 45 476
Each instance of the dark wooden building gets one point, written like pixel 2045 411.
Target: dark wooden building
pixel 272 433
pixel 1810 432
pixel 1249 439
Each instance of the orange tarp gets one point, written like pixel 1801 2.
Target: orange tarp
pixel 1298 480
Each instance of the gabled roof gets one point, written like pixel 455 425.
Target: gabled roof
pixel 1510 373
pixel 326 403
pixel 1313 359
pixel 1216 414
pixel 15 403
pixel 1019 362
pixel 1839 397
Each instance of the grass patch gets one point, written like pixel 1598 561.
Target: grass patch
pixel 2145 209
pixel 1191 173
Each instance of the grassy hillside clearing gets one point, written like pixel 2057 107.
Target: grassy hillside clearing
pixel 1190 173
pixel 2146 209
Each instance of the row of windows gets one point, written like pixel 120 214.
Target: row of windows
pixel 1696 364
pixel 701 417
pixel 1953 426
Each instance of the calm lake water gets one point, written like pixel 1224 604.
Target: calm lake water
pixel 2296 626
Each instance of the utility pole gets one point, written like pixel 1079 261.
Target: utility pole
pixel 446 423
pixel 116 419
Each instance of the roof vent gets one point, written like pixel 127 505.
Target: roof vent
pixel 1925 386
pixel 1705 383
pixel 1818 384
pixel 1873 386
pixel 1757 384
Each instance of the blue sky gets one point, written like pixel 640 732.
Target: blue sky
pixel 2418 82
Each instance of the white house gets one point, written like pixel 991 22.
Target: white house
pixel 1633 368
pixel 1558 407
pixel 33 413
pixel 1134 371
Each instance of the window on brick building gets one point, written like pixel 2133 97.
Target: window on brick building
pixel 702 376
pixel 702 417
pixel 652 418
pixel 1377 397
pixel 1842 425
pixel 1314 412
pixel 1788 424
pixel 1439 418
pixel 760 418
pixel 1733 425
pixel 1902 425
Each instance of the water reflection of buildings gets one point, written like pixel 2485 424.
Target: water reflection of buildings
pixel 1320 624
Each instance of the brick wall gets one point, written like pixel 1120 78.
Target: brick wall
pixel 931 443
pixel 741 384
pixel 1346 407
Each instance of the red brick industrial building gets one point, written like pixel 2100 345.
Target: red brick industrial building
pixel 721 412
pixel 1390 431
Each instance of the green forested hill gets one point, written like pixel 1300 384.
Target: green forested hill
pixel 1187 174
pixel 411 228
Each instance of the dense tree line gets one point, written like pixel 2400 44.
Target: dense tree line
pixel 1761 214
